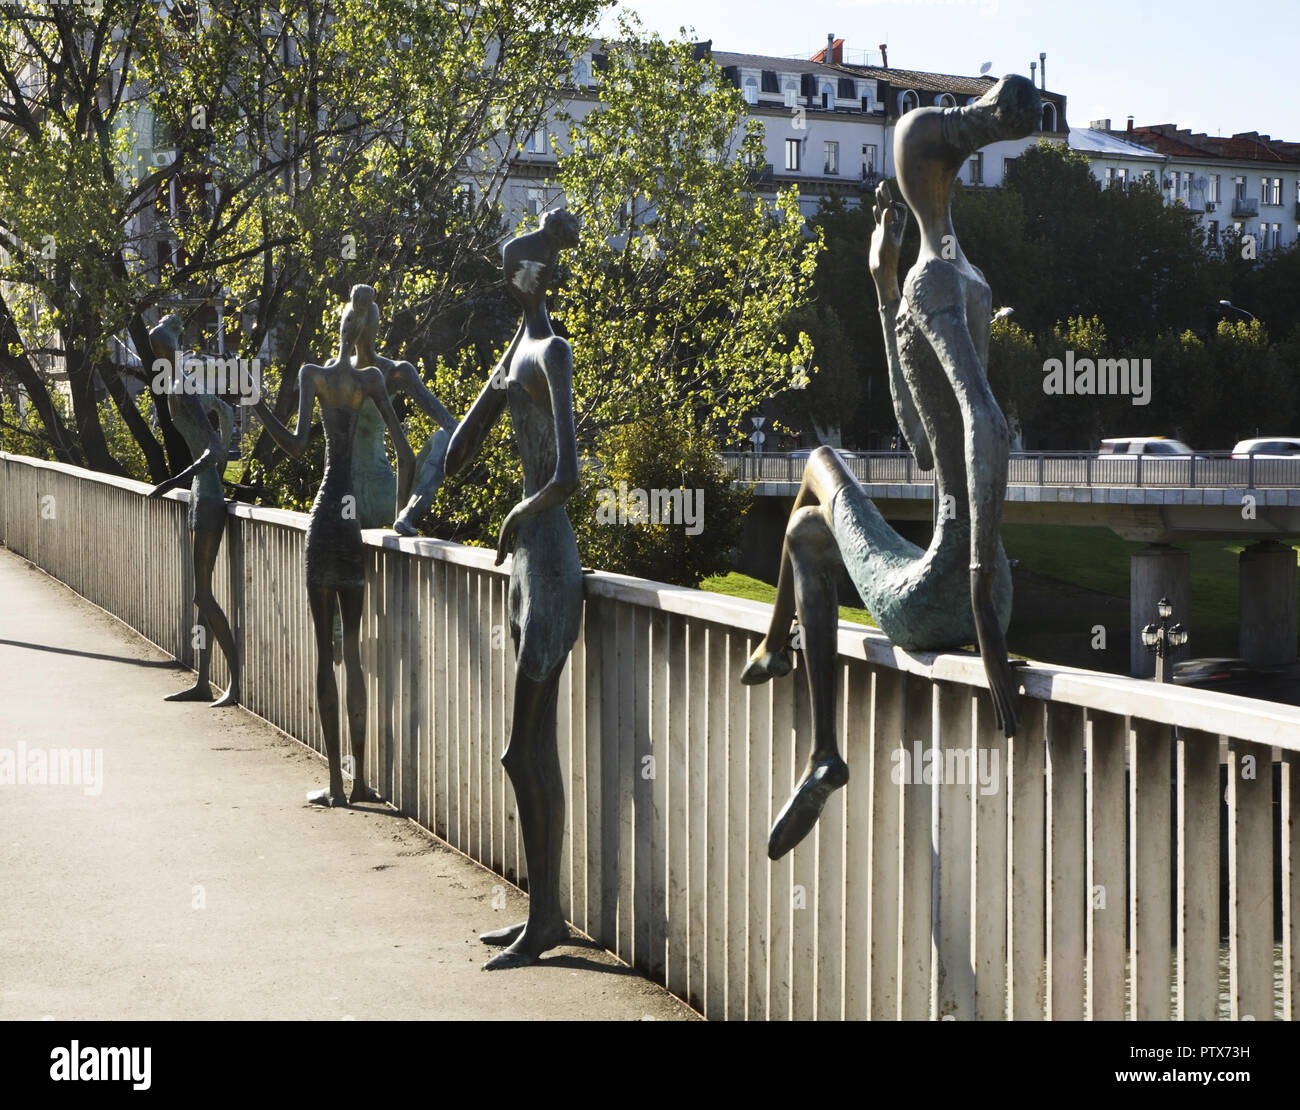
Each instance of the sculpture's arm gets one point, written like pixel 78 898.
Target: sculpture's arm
pixel 886 239
pixel 212 453
pixel 406 377
pixel 467 439
pixel 986 448
pixel 558 364
pixel 292 443
pixel 372 381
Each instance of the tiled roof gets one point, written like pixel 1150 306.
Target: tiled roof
pixel 1245 146
pixel 780 65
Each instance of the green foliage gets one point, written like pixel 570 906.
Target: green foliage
pixel 665 453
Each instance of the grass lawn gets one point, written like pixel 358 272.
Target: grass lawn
pixel 736 584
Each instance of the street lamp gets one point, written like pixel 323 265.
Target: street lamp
pixel 1163 638
pixel 1229 304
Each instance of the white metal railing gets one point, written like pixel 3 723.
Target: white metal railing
pixel 1065 891
pixel 1057 468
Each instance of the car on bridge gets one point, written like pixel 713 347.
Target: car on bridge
pixel 1268 447
pixel 1238 676
pixel 1144 445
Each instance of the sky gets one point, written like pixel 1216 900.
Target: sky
pixel 1217 67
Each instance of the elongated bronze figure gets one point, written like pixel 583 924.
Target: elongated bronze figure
pixel 335 556
pixel 958 591
pixel 535 376
pixel 373 479
pixel 205 421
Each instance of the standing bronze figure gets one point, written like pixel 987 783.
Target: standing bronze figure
pixel 958 591
pixel 335 556
pixel 205 421
pixel 535 376
pixel 373 479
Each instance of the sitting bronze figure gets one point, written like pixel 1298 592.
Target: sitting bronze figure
pixel 335 555
pixel 535 377
pixel 958 591
pixel 205 421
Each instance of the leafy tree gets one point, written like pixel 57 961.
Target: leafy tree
pixel 677 295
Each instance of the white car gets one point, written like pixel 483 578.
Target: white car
pixel 1268 447
pixel 1144 445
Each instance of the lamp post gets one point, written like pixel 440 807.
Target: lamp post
pixel 1228 304
pixel 1163 638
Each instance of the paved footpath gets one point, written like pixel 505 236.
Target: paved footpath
pixel 193 881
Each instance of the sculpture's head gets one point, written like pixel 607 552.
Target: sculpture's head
pixel 167 332
pixel 359 314
pixel 930 144
pixel 528 262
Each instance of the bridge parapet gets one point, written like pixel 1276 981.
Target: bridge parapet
pixel 959 874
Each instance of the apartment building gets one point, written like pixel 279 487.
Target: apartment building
pixel 1247 181
pixel 828 123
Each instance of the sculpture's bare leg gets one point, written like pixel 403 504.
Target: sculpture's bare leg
pixel 350 605
pixel 206 545
pixel 815 561
pixel 987 442
pixel 323 606
pixel 532 761
pixel 823 474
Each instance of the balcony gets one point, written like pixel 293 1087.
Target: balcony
pixel 1245 206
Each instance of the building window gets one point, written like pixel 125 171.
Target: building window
pixel 581 73
pixel 1270 190
pixel 1277 235
pixel 1263 237
pixel 1239 186
pixel 768 77
pixel 977 169
pixel 1121 175
pixel 792 154
pixel 868 160
pixel 1007 163
pixel 832 157
pixel 1187 184
pixel 907 101
pixel 537 143
pixel 828 95
pixel 751 91
pixel 947 100
pixel 790 88
pixel 1212 233
pixel 1110 176
pixel 1049 117
pixel 1212 189
pixel 533 205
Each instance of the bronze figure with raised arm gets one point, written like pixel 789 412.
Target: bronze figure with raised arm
pixel 205 421
pixel 335 556
pixel 958 590
pixel 535 377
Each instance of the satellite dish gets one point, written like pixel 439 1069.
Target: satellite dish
pixel 985 68
pixel 1201 183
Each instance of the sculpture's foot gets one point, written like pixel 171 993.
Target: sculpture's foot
pixel 527 947
pixel 500 938
pixel 230 697
pixel 199 692
pixel 404 527
pixel 823 778
pixel 330 796
pixel 764 665
pixel 363 793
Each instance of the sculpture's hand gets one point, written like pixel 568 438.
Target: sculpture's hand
pixel 509 528
pixel 886 240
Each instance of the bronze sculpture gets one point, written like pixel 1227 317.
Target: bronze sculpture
pixel 373 479
pixel 535 377
pixel 335 556
pixel 205 421
pixel 958 591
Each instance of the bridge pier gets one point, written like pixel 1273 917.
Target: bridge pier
pixel 1266 577
pixel 1158 570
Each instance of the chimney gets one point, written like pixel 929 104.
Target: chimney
pixel 830 47
pixel 1129 128
pixel 884 55
pixel 1042 69
pixel 1033 73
